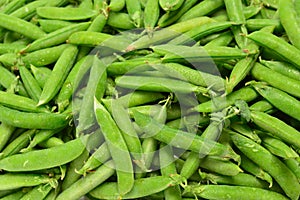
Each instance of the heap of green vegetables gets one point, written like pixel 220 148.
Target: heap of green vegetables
pixel 150 99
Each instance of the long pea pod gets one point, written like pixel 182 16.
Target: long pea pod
pixel 58 74
pixel 30 83
pixel 284 177
pixel 117 147
pixel 151 15
pixel 66 13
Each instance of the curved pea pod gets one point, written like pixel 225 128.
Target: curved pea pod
pixel 45 158
pixel 8 79
pixel 247 94
pixel 170 5
pixel 227 192
pixel 142 187
pixel 287 51
pixel 278 148
pixel 257 24
pixel 201 9
pixel 279 99
pixel 262 106
pixel 28 10
pixel 182 139
pixel 245 130
pixel 21 26
pixel 32 87
pixel 271 164
pixel 45 56
pixel 276 79
pixel 58 74
pixel 65 13
pixel 56 37
pixel 294 166
pixel 276 127
pixel 16 180
pixel 116 5
pixel 117 147
pixel 33 120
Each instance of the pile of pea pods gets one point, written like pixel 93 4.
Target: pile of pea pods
pixel 149 99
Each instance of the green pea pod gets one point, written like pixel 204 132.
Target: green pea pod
pixel 120 20
pixel 257 24
pixel 28 10
pixel 288 18
pixel 167 33
pixel 182 139
pixel 15 195
pixel 262 106
pixel 65 13
pixel 20 26
pixel 45 56
pixel 247 94
pixel 88 183
pixel 38 192
pixel 278 170
pixel 135 12
pixel 201 9
pixel 88 38
pixel 58 74
pixel 170 5
pixel 151 15
pixel 172 16
pixel 283 68
pixel 142 188
pixel 276 79
pixel 30 83
pixel 41 74
pixel 16 180
pixel 232 192
pixel 18 143
pixel 277 45
pixel 12 6
pixel 276 127
pixel 116 5
pixel 252 168
pixel 293 165
pixel 32 120
pixel 50 25
pixel 279 99
pixel 278 148
pixel 200 32
pixel 117 147
pixel 56 37
pixel 45 158
pixel 20 103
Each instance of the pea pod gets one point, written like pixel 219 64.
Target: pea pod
pixel 151 15
pixel 65 13
pixel 50 25
pixel 233 192
pixel 284 177
pixel 38 192
pixel 30 83
pixel 43 159
pixel 142 187
pixel 41 74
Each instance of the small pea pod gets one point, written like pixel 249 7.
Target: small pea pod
pixel 134 9
pixel 58 74
pixel 278 170
pixel 66 13
pixel 262 106
pixel 120 20
pixel 50 25
pixel 117 147
pixel 45 158
pixel 142 187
